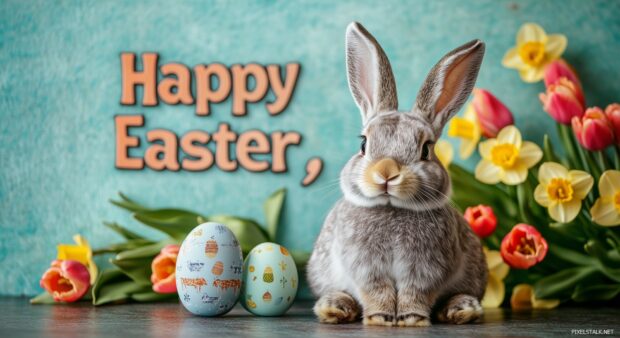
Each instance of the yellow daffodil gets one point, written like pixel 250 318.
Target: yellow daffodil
pixel 467 128
pixel 506 158
pixel 561 191
pixel 606 209
pixel 498 270
pixel 523 298
pixel 444 152
pixel 534 51
pixel 80 252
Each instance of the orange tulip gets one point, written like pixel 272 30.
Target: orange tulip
pixel 523 247
pixel 163 267
pixel 613 115
pixel 593 131
pixel 66 280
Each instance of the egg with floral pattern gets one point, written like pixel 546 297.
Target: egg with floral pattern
pixel 270 280
pixel 209 270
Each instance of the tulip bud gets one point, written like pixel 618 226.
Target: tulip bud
pixel 492 114
pixel 613 116
pixel 66 280
pixel 563 101
pixel 164 267
pixel 559 69
pixel 523 247
pixel 481 219
pixel 593 130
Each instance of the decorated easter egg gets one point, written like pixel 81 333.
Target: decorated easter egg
pixel 209 270
pixel 270 280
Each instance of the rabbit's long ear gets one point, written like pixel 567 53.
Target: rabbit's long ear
pixel 449 84
pixel 369 72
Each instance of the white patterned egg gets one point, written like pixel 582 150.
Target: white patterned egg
pixel 209 270
pixel 270 280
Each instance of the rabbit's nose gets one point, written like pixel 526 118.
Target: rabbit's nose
pixel 384 172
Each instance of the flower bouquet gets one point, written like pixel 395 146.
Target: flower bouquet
pixel 547 213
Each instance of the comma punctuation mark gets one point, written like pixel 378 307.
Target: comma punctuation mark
pixel 314 166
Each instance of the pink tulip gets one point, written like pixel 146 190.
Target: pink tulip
pixel 492 114
pixel 613 116
pixel 559 69
pixel 593 130
pixel 563 100
pixel 163 267
pixel 66 280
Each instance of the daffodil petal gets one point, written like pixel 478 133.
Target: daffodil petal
pixel 445 152
pixel 532 74
pixel 582 182
pixel 566 211
pixel 541 196
pixel 531 32
pixel 521 298
pixel 485 148
pixel 512 59
pixel 515 175
pixel 605 213
pixel 487 172
pixel 494 258
pixel 555 46
pixel 511 135
pixel 529 154
pixel 494 294
pixel 544 304
pixel 609 183
pixel 549 170
pixel 467 148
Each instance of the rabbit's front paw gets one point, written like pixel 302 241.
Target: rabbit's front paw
pixel 413 319
pixel 336 307
pixel 379 319
pixel 461 309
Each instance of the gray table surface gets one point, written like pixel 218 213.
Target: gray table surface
pixel 19 318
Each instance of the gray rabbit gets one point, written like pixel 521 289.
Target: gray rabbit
pixel 394 250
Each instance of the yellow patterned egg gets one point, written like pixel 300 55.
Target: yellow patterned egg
pixel 270 280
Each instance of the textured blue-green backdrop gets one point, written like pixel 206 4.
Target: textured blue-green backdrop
pixel 60 88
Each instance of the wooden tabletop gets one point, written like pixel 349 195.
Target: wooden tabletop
pixel 19 318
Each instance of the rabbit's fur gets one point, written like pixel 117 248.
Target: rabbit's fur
pixel 394 250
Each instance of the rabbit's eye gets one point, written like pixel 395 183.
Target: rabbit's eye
pixel 363 146
pixel 426 151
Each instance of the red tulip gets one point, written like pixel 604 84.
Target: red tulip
pixel 613 116
pixel 163 267
pixel 593 131
pixel 481 219
pixel 523 247
pixel 563 100
pixel 66 280
pixel 492 114
pixel 559 69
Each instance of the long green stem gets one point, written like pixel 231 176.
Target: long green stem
pixel 617 157
pixel 569 146
pixel 603 161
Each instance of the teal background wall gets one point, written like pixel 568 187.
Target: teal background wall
pixel 60 88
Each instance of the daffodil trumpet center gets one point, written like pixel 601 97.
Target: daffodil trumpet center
pixel 460 127
pixel 526 247
pixel 504 155
pixel 560 190
pixel 532 53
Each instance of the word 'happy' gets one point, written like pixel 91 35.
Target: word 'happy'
pixel 202 86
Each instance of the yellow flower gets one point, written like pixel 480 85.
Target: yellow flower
pixel 81 253
pixel 506 158
pixel 606 209
pixel 561 191
pixel 498 270
pixel 445 153
pixel 534 51
pixel 467 128
pixel 523 298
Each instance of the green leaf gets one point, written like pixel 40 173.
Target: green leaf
pixel 597 249
pixel 118 292
pixel 151 296
pixel 126 233
pixel 570 255
pixel 569 145
pixel 176 223
pixel 273 208
pixel 146 251
pixel 125 246
pixel 128 204
pixel 596 292
pixel 248 232
pixel 549 153
pixel 138 269
pixel 561 283
pixel 43 298
pixel 573 230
